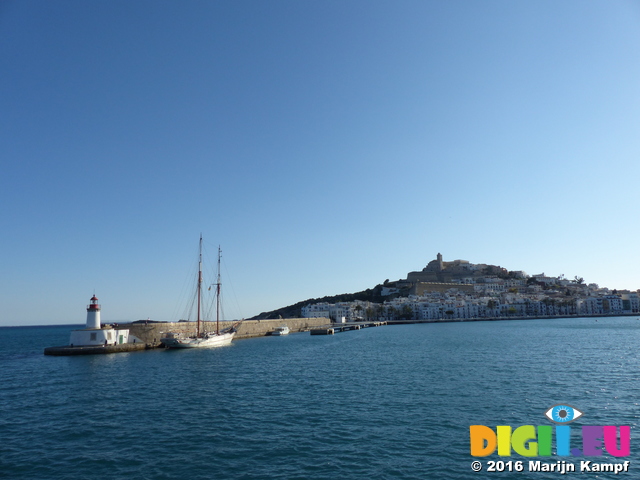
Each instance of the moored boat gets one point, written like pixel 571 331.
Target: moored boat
pixel 202 339
pixel 281 330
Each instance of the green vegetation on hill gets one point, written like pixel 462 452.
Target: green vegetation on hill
pixel 294 311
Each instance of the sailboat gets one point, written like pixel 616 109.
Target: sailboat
pixel 202 339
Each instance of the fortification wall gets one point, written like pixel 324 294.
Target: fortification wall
pixel 152 332
pixel 421 288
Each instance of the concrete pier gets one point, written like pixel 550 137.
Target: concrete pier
pixel 96 349
pixel 333 328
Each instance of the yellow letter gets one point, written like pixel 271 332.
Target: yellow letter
pixel 504 440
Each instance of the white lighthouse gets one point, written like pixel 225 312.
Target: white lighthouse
pixel 97 338
pixel 93 313
pixel 94 333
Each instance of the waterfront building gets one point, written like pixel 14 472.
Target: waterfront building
pixel 589 306
pixel 612 304
pixel 317 310
pixel 430 311
pixel 630 302
pixel 608 304
pixel 344 311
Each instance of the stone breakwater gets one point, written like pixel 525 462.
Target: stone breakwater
pixel 150 333
pixel 95 350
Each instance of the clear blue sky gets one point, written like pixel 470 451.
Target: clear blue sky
pixel 326 145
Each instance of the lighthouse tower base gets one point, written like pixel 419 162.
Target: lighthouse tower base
pixel 103 336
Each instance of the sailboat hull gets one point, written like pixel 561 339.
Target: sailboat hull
pixel 208 341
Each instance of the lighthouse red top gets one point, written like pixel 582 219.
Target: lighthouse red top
pixel 94 304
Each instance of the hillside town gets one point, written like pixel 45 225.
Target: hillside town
pixel 460 290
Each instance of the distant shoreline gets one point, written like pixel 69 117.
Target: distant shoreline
pixel 495 319
pixel 71 325
pixel 401 322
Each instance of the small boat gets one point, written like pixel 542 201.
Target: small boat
pixel 202 339
pixel 281 330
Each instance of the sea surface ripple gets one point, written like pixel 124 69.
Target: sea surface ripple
pixel 393 402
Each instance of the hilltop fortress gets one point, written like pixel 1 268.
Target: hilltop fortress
pixel 440 276
pixel 460 290
pixel 457 271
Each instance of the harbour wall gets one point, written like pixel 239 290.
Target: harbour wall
pixel 150 333
pixel 95 349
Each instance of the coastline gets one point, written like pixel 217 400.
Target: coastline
pixel 496 319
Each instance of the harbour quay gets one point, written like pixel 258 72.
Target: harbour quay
pixel 334 328
pixel 96 349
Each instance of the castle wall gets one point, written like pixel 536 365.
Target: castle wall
pixel 420 288
pixel 438 271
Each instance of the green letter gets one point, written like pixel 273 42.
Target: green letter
pixel 523 435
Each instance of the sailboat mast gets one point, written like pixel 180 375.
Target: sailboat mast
pixel 199 286
pixel 218 295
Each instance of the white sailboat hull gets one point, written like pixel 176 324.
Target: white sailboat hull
pixel 208 341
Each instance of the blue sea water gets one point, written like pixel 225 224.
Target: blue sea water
pixel 393 402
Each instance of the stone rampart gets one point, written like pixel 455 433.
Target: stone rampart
pixel 151 333
pixel 420 288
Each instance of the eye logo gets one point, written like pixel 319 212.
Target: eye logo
pixel 563 414
pixel 537 441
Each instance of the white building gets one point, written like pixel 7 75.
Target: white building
pixel 317 310
pixel 589 306
pixel 493 287
pixel 337 312
pixel 612 304
pixel 606 304
pixel 630 302
pixel 542 278
pixel 94 334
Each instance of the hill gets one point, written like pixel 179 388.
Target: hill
pixel 294 311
